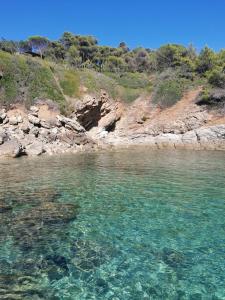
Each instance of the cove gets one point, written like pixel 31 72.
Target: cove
pixel 126 224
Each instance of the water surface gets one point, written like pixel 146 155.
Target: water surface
pixel 150 225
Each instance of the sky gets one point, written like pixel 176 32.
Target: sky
pixel 147 23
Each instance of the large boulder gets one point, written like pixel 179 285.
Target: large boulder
pixel 212 137
pixel 11 148
pixel 91 110
pixel 73 138
pixel 25 127
pixel 35 149
pixel 108 122
pixel 88 111
pixel 72 124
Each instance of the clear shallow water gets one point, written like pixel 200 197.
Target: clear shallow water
pixel 150 225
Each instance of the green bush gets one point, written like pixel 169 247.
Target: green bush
pixel 43 85
pixel 126 87
pixel 95 81
pixel 25 79
pixel 131 80
pixel 168 92
pixel 70 83
pixel 217 78
pixel 9 85
pixel 128 95
pixel 207 60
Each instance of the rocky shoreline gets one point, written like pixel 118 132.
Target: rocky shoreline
pixel 100 123
pixel 205 138
pixel 27 133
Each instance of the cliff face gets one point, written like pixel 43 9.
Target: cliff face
pixel 97 122
pixel 184 125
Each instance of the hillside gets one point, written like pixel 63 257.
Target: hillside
pixel 63 69
pixel 73 95
pixel 24 79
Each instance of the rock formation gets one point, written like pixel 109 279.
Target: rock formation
pixel 31 133
pixel 184 125
pixel 102 122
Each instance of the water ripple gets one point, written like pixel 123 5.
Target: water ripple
pixel 134 224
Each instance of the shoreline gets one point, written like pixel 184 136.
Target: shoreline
pixel 129 146
pixel 101 124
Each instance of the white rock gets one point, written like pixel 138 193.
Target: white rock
pixel 54 130
pixel 34 109
pixel 34 149
pixel 34 120
pixel 103 134
pixel 13 120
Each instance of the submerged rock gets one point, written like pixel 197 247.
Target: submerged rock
pixel 5 207
pixel 30 198
pixel 48 212
pixel 173 258
pixel 87 256
pixel 19 287
pixel 39 224
pixel 56 266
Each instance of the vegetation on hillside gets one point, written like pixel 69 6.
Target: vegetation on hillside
pixel 58 69
pixel 24 79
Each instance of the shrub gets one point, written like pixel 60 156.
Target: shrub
pixel 94 82
pixel 25 79
pixel 128 95
pixel 70 83
pixel 126 87
pixel 207 60
pixel 131 80
pixel 212 98
pixel 217 78
pixel 168 92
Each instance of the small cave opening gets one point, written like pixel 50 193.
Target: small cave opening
pixel 91 118
pixel 111 127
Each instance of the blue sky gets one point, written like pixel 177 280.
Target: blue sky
pixel 145 23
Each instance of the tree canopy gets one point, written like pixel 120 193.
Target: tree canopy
pixel 79 51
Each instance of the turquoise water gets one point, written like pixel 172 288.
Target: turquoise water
pixel 150 225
